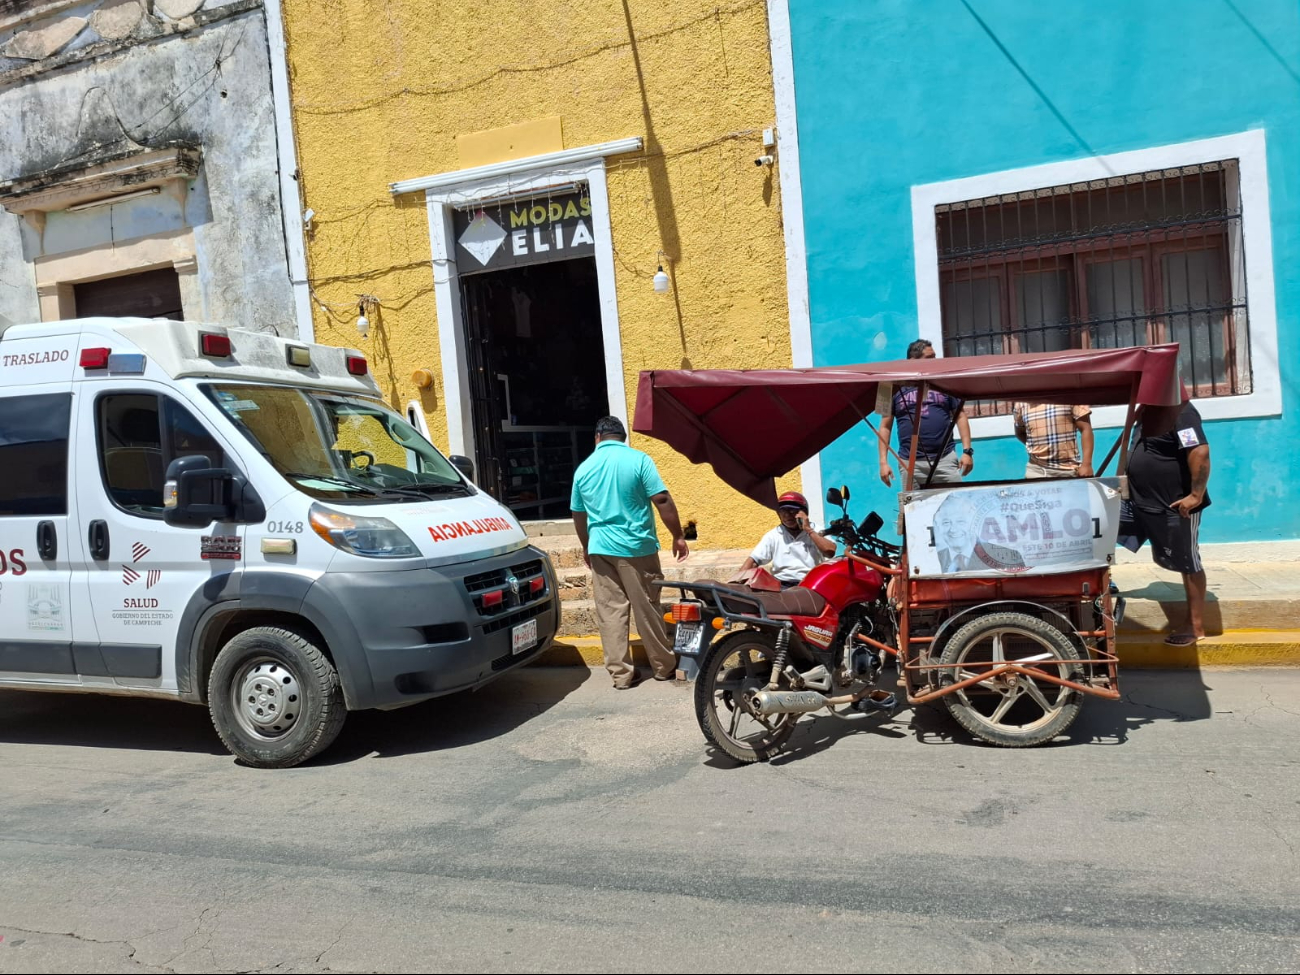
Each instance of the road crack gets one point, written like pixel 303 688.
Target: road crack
pixel 74 936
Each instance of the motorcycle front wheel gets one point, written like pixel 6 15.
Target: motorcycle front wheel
pixel 733 669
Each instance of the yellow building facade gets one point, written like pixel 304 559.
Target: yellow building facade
pixel 494 188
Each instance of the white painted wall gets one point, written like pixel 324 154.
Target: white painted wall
pixel 150 94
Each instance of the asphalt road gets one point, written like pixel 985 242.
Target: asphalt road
pixel 550 824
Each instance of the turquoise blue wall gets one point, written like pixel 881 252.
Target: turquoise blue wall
pixel 893 93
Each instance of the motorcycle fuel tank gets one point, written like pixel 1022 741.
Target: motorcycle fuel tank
pixel 843 582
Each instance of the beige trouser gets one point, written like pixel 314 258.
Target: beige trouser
pixel 1034 472
pixel 946 471
pixel 620 584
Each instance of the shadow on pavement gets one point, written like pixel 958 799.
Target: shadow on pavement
pixel 1172 600
pixel 101 721
pixel 1146 697
pixel 104 721
pixel 458 719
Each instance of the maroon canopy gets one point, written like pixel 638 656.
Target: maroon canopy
pixel 753 425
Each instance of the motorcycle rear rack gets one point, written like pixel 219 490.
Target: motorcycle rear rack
pixel 716 592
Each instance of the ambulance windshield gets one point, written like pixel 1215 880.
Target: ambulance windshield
pixel 339 447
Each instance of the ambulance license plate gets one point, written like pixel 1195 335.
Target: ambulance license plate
pixel 523 636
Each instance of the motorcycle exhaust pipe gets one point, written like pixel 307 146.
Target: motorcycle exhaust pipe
pixel 787 702
pixel 767 702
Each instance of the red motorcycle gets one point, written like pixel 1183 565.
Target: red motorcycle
pixel 818 644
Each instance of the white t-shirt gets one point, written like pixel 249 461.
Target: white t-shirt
pixel 791 554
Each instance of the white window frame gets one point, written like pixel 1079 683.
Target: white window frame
pixel 1249 151
pixel 446 192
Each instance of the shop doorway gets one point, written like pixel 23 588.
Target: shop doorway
pixel 536 359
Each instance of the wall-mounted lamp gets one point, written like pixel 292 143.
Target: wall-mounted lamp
pixel 661 281
pixel 364 303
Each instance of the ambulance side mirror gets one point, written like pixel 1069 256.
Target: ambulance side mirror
pixel 196 494
pixel 463 464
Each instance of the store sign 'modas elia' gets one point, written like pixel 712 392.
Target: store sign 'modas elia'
pixel 554 228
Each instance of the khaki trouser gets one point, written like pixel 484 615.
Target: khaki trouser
pixel 620 584
pixel 947 471
pixel 1035 472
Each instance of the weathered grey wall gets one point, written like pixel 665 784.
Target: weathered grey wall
pixel 173 79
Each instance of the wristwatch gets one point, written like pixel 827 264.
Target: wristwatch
pixel 969 452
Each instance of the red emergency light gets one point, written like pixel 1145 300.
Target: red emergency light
pixel 493 597
pixel 357 365
pixel 216 346
pixel 95 358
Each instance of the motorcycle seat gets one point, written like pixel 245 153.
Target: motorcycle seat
pixel 795 601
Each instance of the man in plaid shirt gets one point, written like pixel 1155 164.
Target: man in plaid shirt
pixel 1052 433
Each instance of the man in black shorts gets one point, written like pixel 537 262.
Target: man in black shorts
pixel 1168 470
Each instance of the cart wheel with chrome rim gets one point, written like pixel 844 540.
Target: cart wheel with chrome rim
pixel 1013 709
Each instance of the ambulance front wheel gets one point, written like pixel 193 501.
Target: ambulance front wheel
pixel 275 698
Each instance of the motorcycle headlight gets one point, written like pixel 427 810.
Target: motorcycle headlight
pixel 373 538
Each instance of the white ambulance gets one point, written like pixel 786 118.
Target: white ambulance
pixel 231 518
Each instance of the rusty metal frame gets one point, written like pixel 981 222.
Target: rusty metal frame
pixel 1101 650
pixel 1103 655
pixel 922 391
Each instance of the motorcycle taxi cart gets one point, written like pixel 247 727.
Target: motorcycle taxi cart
pixel 1000 603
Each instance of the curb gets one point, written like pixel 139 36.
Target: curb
pixel 583 651
pixel 1232 648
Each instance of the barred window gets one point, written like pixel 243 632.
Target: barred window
pixel 1132 260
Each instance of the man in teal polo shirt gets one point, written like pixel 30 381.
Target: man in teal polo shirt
pixel 615 493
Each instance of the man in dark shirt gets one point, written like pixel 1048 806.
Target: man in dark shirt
pixel 936 450
pixel 1168 470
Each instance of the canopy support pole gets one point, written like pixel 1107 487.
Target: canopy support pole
pixel 952 425
pixel 922 391
pixel 1122 443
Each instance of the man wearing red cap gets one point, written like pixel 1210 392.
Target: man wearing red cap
pixel 792 547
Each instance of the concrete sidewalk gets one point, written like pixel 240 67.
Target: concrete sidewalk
pixel 1252 614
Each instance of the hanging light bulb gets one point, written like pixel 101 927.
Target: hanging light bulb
pixel 661 281
pixel 363 323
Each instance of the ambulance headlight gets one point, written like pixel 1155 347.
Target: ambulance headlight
pixel 374 538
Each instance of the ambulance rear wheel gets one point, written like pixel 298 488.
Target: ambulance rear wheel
pixel 275 698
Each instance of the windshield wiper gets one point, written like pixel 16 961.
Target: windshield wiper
pixel 341 481
pixel 420 492
pixel 412 492
pixel 436 487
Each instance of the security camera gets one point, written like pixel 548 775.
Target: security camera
pixel 764 160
